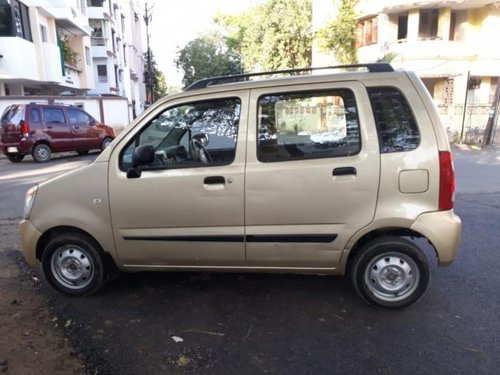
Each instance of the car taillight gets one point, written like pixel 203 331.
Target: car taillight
pixel 446 181
pixel 25 129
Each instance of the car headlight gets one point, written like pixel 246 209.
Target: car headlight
pixel 28 202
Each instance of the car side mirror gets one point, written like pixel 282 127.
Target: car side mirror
pixel 142 155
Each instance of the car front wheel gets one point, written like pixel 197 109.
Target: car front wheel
pixel 73 265
pixel 390 272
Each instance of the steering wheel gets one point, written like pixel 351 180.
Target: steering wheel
pixel 200 152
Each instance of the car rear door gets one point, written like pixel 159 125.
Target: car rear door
pixel 57 129
pixel 312 173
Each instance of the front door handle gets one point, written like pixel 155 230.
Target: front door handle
pixel 214 180
pixel 344 171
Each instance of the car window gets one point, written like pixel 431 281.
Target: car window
pixel 396 125
pixel 54 115
pixel 13 114
pixel 34 115
pixel 78 117
pixel 307 125
pixel 195 134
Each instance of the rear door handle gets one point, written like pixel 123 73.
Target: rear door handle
pixel 214 180
pixel 344 171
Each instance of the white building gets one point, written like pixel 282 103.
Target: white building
pixel 450 44
pixel 117 50
pixel 31 62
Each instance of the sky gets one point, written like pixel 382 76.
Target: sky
pixel 174 24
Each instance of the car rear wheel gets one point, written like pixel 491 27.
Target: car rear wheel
pixel 106 142
pixel 15 158
pixel 42 153
pixel 73 265
pixel 390 272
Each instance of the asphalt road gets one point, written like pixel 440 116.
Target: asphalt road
pixel 251 324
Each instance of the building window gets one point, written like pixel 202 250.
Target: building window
pixel 402 26
pixel 428 25
pixel 87 56
pixel 94 3
pixel 102 73
pixel 15 19
pixel 43 33
pixel 367 32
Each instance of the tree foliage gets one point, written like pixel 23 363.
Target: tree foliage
pixel 271 36
pixel 339 35
pixel 207 56
pixel 158 82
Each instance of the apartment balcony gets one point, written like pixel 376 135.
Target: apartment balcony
pixel 70 18
pixel 52 63
pixel 19 61
pixel 100 47
pixel 396 6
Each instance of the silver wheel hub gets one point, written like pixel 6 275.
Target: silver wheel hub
pixel 42 153
pixel 72 267
pixel 392 276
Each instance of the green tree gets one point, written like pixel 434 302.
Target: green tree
pixel 156 85
pixel 271 36
pixel 207 56
pixel 339 35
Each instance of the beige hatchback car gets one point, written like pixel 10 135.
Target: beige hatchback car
pixel 330 173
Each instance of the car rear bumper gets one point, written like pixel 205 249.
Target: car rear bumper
pixel 443 229
pixel 22 147
pixel 29 239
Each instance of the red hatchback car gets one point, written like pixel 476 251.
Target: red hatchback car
pixel 41 129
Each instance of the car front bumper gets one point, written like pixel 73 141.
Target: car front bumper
pixel 29 240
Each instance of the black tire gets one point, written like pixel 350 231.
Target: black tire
pixel 390 272
pixel 15 158
pixel 72 264
pixel 42 153
pixel 83 152
pixel 105 143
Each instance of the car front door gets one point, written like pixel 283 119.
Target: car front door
pixel 85 135
pixel 57 129
pixel 312 174
pixel 186 208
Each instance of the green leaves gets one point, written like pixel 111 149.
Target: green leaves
pixel 207 56
pixel 339 36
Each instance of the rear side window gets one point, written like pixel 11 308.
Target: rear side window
pixel 53 115
pixel 396 125
pixel 307 125
pixel 34 115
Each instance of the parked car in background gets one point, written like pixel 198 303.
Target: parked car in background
pixel 43 129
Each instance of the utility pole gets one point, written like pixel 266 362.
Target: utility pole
pixel 150 79
pixel 489 134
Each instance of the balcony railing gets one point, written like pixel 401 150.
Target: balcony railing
pixel 97 41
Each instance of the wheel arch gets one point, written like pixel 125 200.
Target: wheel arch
pixel 382 232
pixel 49 235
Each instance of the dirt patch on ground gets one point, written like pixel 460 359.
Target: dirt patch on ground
pixel 31 340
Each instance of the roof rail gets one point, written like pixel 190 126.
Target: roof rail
pixel 202 83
